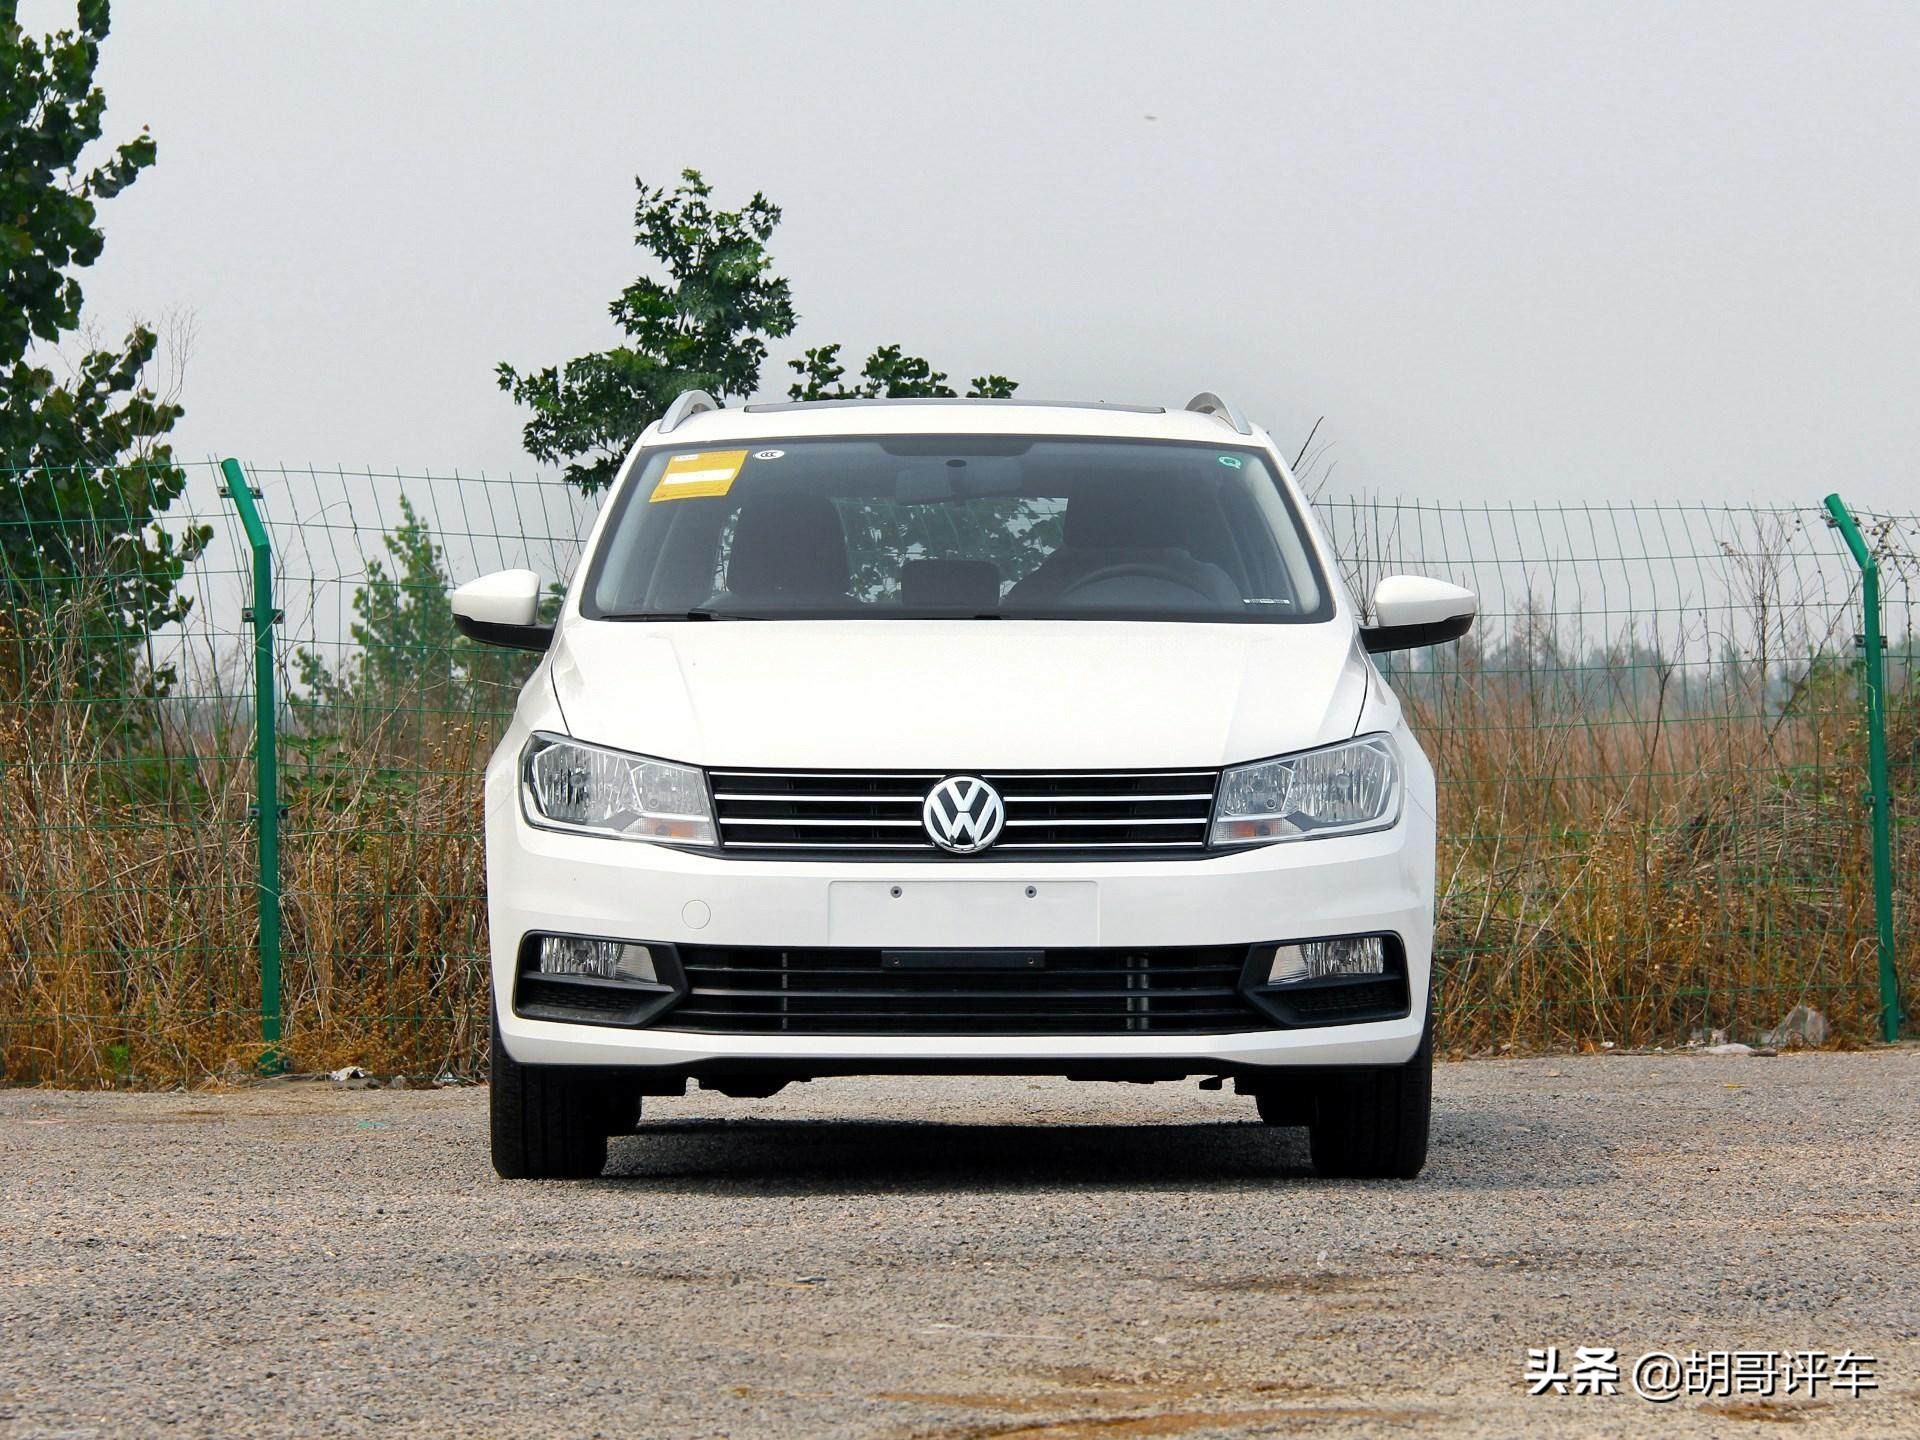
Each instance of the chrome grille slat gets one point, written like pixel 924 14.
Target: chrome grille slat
pixel 1206 795
pixel 823 845
pixel 810 820
pixel 1131 820
pixel 1100 845
pixel 764 795
pixel 1059 814
pixel 1145 775
pixel 929 776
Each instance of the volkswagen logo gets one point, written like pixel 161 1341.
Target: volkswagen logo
pixel 963 814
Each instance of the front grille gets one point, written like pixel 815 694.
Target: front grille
pixel 741 990
pixel 1053 814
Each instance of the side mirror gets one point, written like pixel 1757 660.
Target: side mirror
pixel 1410 611
pixel 501 609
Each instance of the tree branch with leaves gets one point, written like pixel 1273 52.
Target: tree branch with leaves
pixel 703 327
pixel 703 324
pixel 85 472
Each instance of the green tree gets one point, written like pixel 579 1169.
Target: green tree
pixel 404 650
pixel 84 472
pixel 886 372
pixel 705 326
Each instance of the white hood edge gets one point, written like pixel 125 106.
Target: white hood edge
pixel 958 695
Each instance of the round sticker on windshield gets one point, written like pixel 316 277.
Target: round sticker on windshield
pixel 768 454
pixel 1233 460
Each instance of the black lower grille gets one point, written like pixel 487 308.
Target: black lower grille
pixel 545 998
pixel 1343 1000
pixel 739 990
pixel 1387 996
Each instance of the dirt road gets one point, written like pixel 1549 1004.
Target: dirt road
pixel 958 1258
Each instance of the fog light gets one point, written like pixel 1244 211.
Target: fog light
pixel 601 959
pixel 1323 959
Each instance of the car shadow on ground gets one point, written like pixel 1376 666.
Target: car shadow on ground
pixel 760 1157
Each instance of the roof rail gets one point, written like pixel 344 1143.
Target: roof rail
pixel 1208 403
pixel 689 402
pixel 769 407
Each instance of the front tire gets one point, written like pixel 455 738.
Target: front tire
pixel 1372 1124
pixel 547 1122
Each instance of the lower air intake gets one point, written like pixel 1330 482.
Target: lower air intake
pixel 1175 991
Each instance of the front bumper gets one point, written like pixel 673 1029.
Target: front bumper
pixel 538 880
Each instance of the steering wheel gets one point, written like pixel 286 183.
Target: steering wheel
pixel 1144 569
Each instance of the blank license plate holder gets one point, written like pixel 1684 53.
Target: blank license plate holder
pixel 963 914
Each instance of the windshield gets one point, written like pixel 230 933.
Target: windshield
pixel 956 527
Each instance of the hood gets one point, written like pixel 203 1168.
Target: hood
pixel 957 694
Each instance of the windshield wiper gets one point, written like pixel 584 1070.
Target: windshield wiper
pixel 697 613
pixel 702 613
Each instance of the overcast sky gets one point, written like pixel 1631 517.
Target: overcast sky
pixel 1509 251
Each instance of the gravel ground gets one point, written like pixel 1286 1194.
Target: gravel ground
pixel 956 1258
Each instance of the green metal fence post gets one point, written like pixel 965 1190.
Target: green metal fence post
pixel 266 759
pixel 1879 788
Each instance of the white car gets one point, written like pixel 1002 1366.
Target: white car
pixel 959 737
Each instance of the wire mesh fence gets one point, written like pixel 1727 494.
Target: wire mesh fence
pixel 390 717
pixel 1651 752
pixel 1651 762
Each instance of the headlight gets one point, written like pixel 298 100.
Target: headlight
pixel 570 786
pixel 1340 790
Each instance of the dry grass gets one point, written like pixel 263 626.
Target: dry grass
pixel 1634 879
pixel 385 915
pixel 1624 875
pixel 126 922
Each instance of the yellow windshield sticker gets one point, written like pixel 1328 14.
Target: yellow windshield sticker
pixel 687 477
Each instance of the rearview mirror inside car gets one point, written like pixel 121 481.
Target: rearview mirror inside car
pixel 1411 610
pixel 502 609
